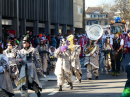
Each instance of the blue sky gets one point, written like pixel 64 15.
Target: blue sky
pixel 92 3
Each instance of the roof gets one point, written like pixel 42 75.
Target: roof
pixel 91 10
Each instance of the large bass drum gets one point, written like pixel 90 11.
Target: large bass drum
pixel 94 33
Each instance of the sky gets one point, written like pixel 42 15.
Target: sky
pixel 93 3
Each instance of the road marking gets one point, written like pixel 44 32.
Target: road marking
pixel 53 93
pixel 65 86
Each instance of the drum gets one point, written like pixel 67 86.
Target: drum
pixel 14 71
pixel 114 55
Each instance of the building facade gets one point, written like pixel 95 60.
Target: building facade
pixel 49 16
pixel 96 15
pixel 78 15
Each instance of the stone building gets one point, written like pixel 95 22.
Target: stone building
pixel 36 15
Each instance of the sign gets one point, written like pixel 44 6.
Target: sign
pixel 12 33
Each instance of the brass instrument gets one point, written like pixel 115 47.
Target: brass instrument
pixel 94 33
pixel 89 50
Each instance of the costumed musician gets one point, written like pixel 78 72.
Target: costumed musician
pixel 63 66
pixel 52 57
pixel 91 62
pixel 104 36
pixel 128 42
pixel 107 55
pixel 91 51
pixel 43 51
pixel 6 88
pixel 125 47
pixel 11 54
pixel 74 57
pixel 30 62
pixel 116 45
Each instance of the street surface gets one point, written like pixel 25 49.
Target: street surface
pixel 106 86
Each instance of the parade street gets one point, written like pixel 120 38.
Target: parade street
pixel 106 86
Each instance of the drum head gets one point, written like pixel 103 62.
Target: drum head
pixel 95 32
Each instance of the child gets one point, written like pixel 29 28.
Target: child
pixel 52 56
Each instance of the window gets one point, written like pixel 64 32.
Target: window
pixel 98 16
pixel 106 23
pixel 96 22
pixel 94 16
pixel 106 16
pixel 90 23
pixel 91 16
pixel 79 10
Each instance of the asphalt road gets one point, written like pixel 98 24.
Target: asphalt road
pixel 105 86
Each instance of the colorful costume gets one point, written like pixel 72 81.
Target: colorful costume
pixel 125 47
pixel 126 91
pixel 63 67
pixel 52 57
pixel 6 88
pixel 92 63
pixel 107 57
pixel 43 51
pixel 30 64
pixel 74 58
pixel 13 70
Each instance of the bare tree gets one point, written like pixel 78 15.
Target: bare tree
pixel 123 7
pixel 117 8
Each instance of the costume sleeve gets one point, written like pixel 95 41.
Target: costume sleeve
pixel 18 57
pixel 78 50
pixel 47 48
pixel 81 42
pixel 57 52
pixel 4 63
pixel 122 42
pixel 68 52
pixel 96 53
pixel 37 59
pixel 111 41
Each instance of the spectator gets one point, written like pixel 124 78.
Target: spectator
pixel 49 38
pixel 32 41
pixel 58 41
pixel 36 41
pixel 53 41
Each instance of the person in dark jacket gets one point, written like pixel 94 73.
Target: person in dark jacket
pixel 49 38
pixel 126 91
pixel 53 41
pixel 58 41
pixel 35 41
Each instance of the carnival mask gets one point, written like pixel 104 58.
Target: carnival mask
pixel 24 44
pixel 70 39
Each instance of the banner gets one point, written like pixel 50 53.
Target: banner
pixel 12 33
